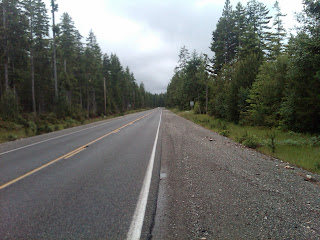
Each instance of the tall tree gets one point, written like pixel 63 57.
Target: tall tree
pixel 54 8
pixel 278 36
pixel 38 30
pixel 223 38
pixel 93 68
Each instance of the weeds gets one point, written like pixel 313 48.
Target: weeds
pixel 299 149
pixel 271 142
pixel 12 137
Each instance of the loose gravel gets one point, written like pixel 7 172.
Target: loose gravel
pixel 220 189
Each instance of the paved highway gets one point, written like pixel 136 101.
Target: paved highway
pixel 97 181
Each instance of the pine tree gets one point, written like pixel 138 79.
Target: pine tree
pixel 240 27
pixel 38 30
pixel 13 40
pixel 93 62
pixel 68 42
pixel 278 36
pixel 224 40
pixel 54 8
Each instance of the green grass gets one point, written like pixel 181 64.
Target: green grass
pixel 11 131
pixel 302 150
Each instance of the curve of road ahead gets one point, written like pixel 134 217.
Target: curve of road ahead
pixel 89 182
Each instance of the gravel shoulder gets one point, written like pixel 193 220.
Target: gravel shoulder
pixel 221 190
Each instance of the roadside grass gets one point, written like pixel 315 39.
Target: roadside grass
pixel 10 131
pixel 302 150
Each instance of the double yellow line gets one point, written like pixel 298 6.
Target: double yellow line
pixel 70 154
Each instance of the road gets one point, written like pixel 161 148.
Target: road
pixel 151 175
pixel 97 181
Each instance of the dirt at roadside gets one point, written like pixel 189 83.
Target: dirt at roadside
pixel 214 188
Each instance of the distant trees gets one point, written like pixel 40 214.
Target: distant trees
pixel 62 74
pixel 254 78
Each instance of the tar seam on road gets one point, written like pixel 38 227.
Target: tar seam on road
pixel 30 145
pixel 138 217
pixel 70 154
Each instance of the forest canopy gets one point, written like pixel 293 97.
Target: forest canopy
pixel 260 74
pixel 63 73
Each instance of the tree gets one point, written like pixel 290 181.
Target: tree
pixel 278 36
pixel 93 62
pixel 267 92
pixel 38 30
pixel 224 41
pixel 54 8
pixel 13 40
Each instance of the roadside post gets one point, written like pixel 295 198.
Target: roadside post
pixel 191 104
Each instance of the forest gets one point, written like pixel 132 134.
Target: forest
pixel 48 70
pixel 260 74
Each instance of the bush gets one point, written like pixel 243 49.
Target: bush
pixel 44 128
pixel 271 142
pixel 12 137
pixel 9 106
pixel 251 141
pixel 10 125
pixel 197 109
pixel 242 137
pixel 315 141
pixel 224 133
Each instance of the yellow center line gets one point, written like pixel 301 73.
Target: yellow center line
pixel 70 154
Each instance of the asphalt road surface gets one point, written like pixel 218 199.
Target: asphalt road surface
pixel 151 175
pixel 88 182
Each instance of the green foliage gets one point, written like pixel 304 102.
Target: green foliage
pixel 271 141
pixel 12 137
pixel 251 141
pixel 26 71
pixel 267 92
pixel 196 108
pixel 9 106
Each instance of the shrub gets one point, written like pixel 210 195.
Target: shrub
pixel 242 137
pixel 251 141
pixel 271 143
pixel 224 133
pixel 315 141
pixel 197 109
pixel 9 106
pixel 12 137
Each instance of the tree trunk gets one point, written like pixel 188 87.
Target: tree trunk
pixel 207 98
pixel 32 67
pixel 80 93
pixel 94 103
pixel 88 102
pixel 105 96
pixel 6 73
pixel 65 65
pixel 54 51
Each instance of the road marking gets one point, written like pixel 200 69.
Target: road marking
pixel 138 217
pixel 19 148
pixel 70 154
pixel 80 150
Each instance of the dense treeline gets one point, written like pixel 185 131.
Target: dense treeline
pixel 60 74
pixel 256 76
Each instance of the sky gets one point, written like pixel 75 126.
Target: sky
pixel 147 35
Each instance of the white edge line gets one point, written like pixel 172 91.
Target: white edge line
pixel 138 217
pixel 16 149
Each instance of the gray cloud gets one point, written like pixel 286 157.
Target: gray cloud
pixel 147 34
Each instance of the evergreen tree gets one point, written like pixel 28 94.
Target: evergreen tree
pixel 38 31
pixel 278 36
pixel 224 40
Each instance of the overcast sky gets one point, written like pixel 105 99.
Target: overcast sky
pixel 147 34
